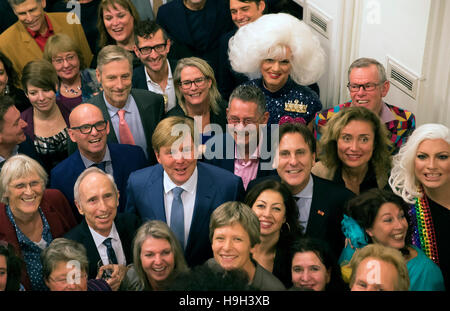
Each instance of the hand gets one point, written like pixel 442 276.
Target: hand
pixel 117 275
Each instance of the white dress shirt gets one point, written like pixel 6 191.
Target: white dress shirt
pixel 116 244
pixel 169 92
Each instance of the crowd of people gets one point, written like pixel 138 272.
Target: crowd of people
pixel 182 145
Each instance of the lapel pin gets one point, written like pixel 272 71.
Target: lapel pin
pixel 321 213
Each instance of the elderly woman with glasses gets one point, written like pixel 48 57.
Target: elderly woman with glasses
pixel 30 215
pixel 198 96
pixel 76 83
pixel 283 57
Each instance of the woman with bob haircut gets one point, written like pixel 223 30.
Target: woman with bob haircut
pixel 354 150
pixel 278 216
pixel 421 176
pixel 282 63
pixel 198 96
pixel 158 258
pixel 77 84
pixel 234 231
pixel 381 217
pixel 30 215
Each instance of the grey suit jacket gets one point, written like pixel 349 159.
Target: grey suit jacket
pixel 151 111
pixel 145 9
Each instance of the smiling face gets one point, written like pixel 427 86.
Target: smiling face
pixel 432 165
pixel 372 100
pixel 98 202
pixel 12 133
pixel 271 211
pixel 178 164
pixel 355 144
pixel 115 78
pixel 42 100
pixel 275 71
pixel 158 260
pixel 195 95
pixel 31 14
pixel 389 227
pixel 243 13
pixel 92 145
pixel 60 278
pixel 25 194
pixel 119 23
pixel 231 247
pixel 309 272
pixel 295 161
pixel 155 61
pixel 67 65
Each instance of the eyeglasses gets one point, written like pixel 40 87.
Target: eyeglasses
pixel 87 128
pixel 67 280
pixel 159 48
pixel 60 60
pixel 199 82
pixel 33 185
pixel 245 122
pixel 353 87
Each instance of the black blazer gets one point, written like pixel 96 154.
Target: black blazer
pixel 327 209
pixel 151 111
pixel 126 224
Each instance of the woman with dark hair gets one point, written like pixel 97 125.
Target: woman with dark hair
pixel 314 266
pixel 9 84
pixel 47 119
pixel 379 216
pixel 115 24
pixel 278 217
pixel 10 268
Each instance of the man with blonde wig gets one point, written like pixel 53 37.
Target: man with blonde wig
pixel 179 190
pixel 282 64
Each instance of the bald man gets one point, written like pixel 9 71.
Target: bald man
pixel 89 130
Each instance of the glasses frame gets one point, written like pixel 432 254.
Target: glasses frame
pixel 199 82
pixel 365 86
pixel 244 121
pixel 96 125
pixel 69 59
pixel 161 46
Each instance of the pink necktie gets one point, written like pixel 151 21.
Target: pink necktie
pixel 124 131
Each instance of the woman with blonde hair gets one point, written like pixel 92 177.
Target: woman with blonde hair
pixel 157 256
pixel 421 176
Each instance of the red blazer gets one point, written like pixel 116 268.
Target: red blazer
pixel 59 215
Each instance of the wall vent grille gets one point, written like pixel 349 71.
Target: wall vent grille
pixel 402 78
pixel 318 21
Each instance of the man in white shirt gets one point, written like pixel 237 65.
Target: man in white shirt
pixel 152 47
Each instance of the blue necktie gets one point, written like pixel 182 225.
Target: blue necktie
pixel 110 251
pixel 101 165
pixel 177 215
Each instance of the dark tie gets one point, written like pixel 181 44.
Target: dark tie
pixel 101 165
pixel 110 251
pixel 177 215
pixel 295 198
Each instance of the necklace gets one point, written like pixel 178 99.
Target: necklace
pixel 71 90
pixel 424 235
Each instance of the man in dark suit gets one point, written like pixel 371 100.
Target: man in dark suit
pixel 106 235
pixel 12 137
pixel 89 130
pixel 132 113
pixel 245 149
pixel 152 47
pixel 320 201
pixel 180 190
pixel 195 27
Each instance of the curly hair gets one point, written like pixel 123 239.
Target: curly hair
pixel 403 180
pixel 380 160
pixel 268 37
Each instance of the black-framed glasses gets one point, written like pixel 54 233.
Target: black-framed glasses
pixel 187 84
pixel 87 128
pixel 354 87
pixel 159 48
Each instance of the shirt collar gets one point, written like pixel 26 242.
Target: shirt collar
pixel 89 163
pixel 149 79
pixel 386 114
pixel 35 34
pixel 189 186
pixel 113 110
pixel 307 192
pixel 98 238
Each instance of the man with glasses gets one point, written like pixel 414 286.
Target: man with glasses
pixel 245 148
pixel 89 130
pixel 152 47
pixel 367 86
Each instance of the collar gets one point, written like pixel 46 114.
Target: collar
pixel 149 80
pixel 35 34
pixel 89 163
pixel 113 110
pixel 98 238
pixel 386 114
pixel 189 186
pixel 307 192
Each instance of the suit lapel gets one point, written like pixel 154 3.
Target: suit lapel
pixel 100 103
pixel 316 220
pixel 156 197
pixel 91 248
